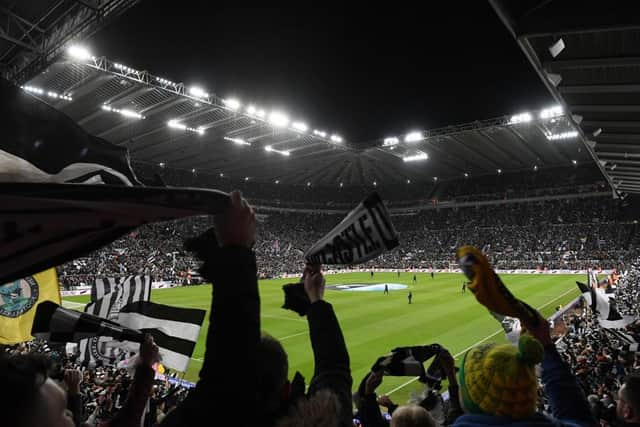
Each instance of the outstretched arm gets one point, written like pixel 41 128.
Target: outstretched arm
pixel 330 353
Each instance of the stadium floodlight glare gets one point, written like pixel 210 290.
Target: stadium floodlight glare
pixel 320 133
pixel 466 175
pixel 300 126
pixel 413 137
pixel 238 141
pixel 562 135
pixel 277 181
pixel 535 168
pixel 246 178
pixel 415 157
pixel 273 150
pixel 278 119
pixel 390 141
pixel 161 164
pixel 499 171
pixel 261 114
pixel 79 52
pixel 175 124
pixel 336 138
pixel 125 112
pixel 308 184
pixel 198 92
pixel 521 118
pixel 375 184
pixel 221 175
pixel 49 93
pixel 231 103
pixel 251 110
pixel 408 181
pixel 435 178
pixel 341 184
pixel 575 162
pixel 551 112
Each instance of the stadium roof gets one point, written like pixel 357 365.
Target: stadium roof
pixel 588 55
pixel 183 126
pixel 34 32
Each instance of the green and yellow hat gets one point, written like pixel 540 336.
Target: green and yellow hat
pixel 500 379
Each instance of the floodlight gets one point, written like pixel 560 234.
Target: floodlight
pixel 128 113
pixel 300 126
pixel 277 181
pixel 246 178
pixel 562 135
pixel 575 162
pixel 231 103
pixel 278 119
pixel 268 148
pixel 535 168
pixel 499 171
pixel 408 181
pixel 521 118
pixel 466 175
pixel 413 137
pixel 341 184
pixel 198 92
pixel 336 138
pixel 238 141
pixel 435 178
pixel 251 110
pixel 320 133
pixel 416 157
pixel 175 125
pixel 391 141
pixel 79 52
pixel 375 183
pixel 161 164
pixel 551 112
pixel 193 171
pixel 261 114
pixel 308 184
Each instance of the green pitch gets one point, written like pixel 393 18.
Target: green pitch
pixel 374 323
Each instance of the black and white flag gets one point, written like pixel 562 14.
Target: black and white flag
pixel 604 308
pixel 102 286
pixel 175 330
pixel 124 291
pixel 51 211
pixel 365 233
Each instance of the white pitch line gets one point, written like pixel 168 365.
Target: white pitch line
pixel 479 342
pixel 283 318
pixel 72 304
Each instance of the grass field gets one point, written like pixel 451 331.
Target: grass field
pixel 373 323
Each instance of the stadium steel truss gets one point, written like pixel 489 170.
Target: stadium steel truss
pixel 179 126
pixel 588 56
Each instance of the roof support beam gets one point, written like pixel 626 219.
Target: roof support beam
pixel 605 108
pixel 613 88
pixel 582 63
pixel 607 155
pixel 604 124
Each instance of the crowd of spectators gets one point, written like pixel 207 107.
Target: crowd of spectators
pixel 494 384
pixel 97 393
pixel 600 358
pixel 558 234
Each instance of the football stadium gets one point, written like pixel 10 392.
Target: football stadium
pixel 277 217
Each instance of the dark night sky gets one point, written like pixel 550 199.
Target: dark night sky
pixel 364 72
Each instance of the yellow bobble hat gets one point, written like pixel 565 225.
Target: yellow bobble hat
pixel 500 379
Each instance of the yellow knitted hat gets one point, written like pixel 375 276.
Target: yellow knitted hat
pixel 500 379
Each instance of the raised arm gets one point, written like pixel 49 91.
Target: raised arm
pixel 331 358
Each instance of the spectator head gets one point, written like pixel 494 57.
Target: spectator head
pixel 272 383
pixel 412 416
pixel 32 399
pixel 500 379
pixel 628 408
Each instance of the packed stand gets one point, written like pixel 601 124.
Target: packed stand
pixel 564 234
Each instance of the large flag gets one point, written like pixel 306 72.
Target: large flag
pixel 19 300
pixel 175 330
pixel 604 308
pixel 102 286
pixel 124 291
pixel 50 212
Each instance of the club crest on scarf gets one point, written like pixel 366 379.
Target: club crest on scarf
pixel 17 297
